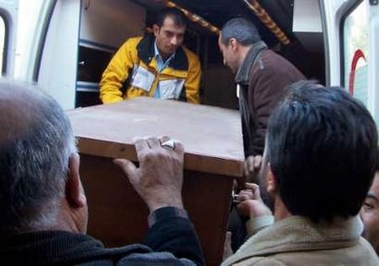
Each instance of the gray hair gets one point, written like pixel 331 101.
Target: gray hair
pixel 240 29
pixel 36 142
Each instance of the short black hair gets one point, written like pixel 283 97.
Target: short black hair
pixel 322 149
pixel 245 32
pixel 177 16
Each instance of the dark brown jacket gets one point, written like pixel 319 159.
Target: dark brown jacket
pixel 262 78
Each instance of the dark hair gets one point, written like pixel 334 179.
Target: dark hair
pixel 240 29
pixel 321 145
pixel 177 16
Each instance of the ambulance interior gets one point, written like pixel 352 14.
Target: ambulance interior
pixel 292 28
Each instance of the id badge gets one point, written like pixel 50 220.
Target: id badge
pixel 142 78
pixel 171 89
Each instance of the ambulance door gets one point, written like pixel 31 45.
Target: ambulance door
pixel 8 25
pixel 39 40
pixel 352 48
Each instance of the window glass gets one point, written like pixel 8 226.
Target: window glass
pixel 2 43
pixel 355 47
pixel 32 17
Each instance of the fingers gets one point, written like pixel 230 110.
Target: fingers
pixel 257 194
pixel 252 186
pixel 153 142
pixel 253 163
pixel 252 168
pixel 177 145
pixel 164 138
pixel 179 149
pixel 250 192
pixel 257 162
pixel 141 145
pixel 145 143
pixel 245 194
pixel 248 162
pixel 159 177
pixel 128 167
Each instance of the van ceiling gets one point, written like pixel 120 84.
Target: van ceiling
pixel 217 12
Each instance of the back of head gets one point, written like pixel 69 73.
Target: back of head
pixel 240 29
pixel 321 146
pixel 177 16
pixel 36 142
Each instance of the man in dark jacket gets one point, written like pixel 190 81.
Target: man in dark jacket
pixel 318 164
pixel 42 201
pixel 262 76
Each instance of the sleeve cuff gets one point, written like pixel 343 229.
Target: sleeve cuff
pixel 258 223
pixel 164 213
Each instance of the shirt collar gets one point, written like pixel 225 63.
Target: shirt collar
pixel 158 56
pixel 243 73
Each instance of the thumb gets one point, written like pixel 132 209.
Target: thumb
pixel 229 236
pixel 127 167
pixel 252 186
pixel 255 189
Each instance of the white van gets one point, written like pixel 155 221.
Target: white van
pixel 64 45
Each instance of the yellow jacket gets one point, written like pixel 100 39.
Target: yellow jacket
pixel 133 72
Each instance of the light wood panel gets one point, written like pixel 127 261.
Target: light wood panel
pixel 213 158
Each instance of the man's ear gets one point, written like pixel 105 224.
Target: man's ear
pixel 156 30
pixel 272 182
pixel 74 190
pixel 233 44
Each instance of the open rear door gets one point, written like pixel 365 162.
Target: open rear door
pixel 352 50
pixel 8 26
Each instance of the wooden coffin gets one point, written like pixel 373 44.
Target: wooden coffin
pixel 213 158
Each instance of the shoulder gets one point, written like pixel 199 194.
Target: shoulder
pixel 191 55
pixel 259 261
pixel 153 258
pixel 274 68
pixel 132 42
pixel 272 60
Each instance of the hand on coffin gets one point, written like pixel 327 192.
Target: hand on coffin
pixel 250 203
pixel 159 177
pixel 252 167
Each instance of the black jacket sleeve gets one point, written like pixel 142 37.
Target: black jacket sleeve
pixel 175 234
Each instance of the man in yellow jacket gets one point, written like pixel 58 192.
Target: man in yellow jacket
pixel 156 65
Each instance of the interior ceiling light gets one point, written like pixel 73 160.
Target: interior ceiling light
pixel 193 17
pixel 267 20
